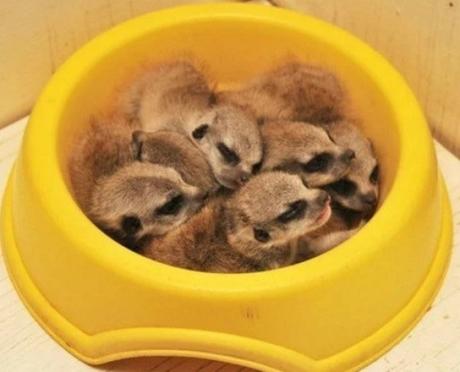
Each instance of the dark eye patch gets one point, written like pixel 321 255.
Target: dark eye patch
pixel 319 163
pixel 256 167
pixel 374 177
pixel 171 207
pixel 343 187
pixel 201 131
pixel 295 211
pixel 261 235
pixel 230 156
pixel 131 224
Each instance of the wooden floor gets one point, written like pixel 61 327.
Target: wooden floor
pixel 434 345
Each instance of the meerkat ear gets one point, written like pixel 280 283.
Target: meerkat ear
pixel 138 138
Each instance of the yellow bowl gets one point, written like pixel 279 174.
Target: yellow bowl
pixel 339 311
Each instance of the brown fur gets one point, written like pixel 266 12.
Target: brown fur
pixel 221 237
pixel 293 91
pixel 176 97
pixel 174 150
pixel 289 146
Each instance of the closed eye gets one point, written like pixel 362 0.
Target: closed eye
pixel 319 163
pixel 230 156
pixel 172 207
pixel 374 177
pixel 343 187
pixel 295 211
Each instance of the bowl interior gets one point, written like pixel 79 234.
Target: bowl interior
pixel 232 50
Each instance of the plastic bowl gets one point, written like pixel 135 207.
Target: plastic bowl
pixel 338 311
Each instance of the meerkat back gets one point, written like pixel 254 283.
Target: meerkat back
pixel 174 150
pixel 293 91
pixel 166 95
pixel 98 152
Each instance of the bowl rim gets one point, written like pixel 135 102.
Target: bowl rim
pixel 40 146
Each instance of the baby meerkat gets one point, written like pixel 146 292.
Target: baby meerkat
pixel 358 189
pixel 174 150
pixel 306 150
pixel 247 232
pixel 142 200
pixel 294 91
pixel 102 149
pixel 176 96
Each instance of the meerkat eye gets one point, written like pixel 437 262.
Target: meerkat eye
pixel 256 167
pixel 201 131
pixel 131 224
pixel 374 177
pixel 319 163
pixel 295 211
pixel 343 187
pixel 230 156
pixel 171 207
pixel 261 235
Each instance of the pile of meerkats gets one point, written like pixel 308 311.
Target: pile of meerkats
pixel 244 180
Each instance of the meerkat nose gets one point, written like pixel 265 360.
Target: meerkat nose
pixel 244 177
pixel 349 155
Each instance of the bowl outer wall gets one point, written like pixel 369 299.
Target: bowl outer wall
pixel 317 309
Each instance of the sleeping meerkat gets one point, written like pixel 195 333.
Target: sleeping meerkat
pixel 355 195
pixel 359 189
pixel 176 96
pixel 306 150
pixel 294 91
pixel 142 200
pixel 174 150
pixel 247 232
pixel 102 149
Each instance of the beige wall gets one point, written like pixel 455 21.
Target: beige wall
pixel 421 38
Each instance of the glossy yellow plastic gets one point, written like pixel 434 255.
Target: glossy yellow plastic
pixel 333 313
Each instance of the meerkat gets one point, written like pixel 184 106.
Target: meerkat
pixel 294 91
pixel 103 148
pixel 306 150
pixel 177 97
pixel 249 231
pixel 127 199
pixel 358 190
pixel 142 200
pixel 354 196
pixel 174 150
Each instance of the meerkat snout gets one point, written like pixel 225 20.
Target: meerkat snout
pixel 304 149
pixel 359 188
pixel 271 209
pixel 231 139
pixel 142 200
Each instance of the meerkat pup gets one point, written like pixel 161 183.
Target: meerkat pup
pixel 249 231
pixel 294 91
pixel 142 200
pixel 174 150
pixel 354 196
pixel 358 190
pixel 306 150
pixel 102 149
pixel 127 199
pixel 176 97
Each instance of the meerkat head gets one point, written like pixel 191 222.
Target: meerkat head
pixel 231 140
pixel 142 200
pixel 272 209
pixel 359 188
pixel 306 150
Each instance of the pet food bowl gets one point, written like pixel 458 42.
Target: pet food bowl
pixel 338 311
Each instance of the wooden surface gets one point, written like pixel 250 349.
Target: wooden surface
pixel 433 345
pixel 420 37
